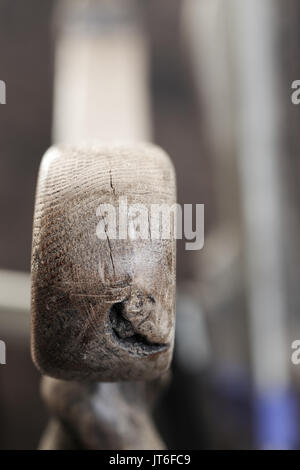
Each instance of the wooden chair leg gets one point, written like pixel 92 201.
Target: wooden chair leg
pixel 103 296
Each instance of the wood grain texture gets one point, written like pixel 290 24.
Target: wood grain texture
pixel 102 310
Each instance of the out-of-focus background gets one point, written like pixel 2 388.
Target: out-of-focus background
pixel 210 82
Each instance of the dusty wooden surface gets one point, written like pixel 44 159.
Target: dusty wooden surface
pixel 102 310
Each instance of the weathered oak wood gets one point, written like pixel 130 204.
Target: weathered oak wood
pixel 101 309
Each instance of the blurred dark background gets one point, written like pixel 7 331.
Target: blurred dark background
pixel 194 88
